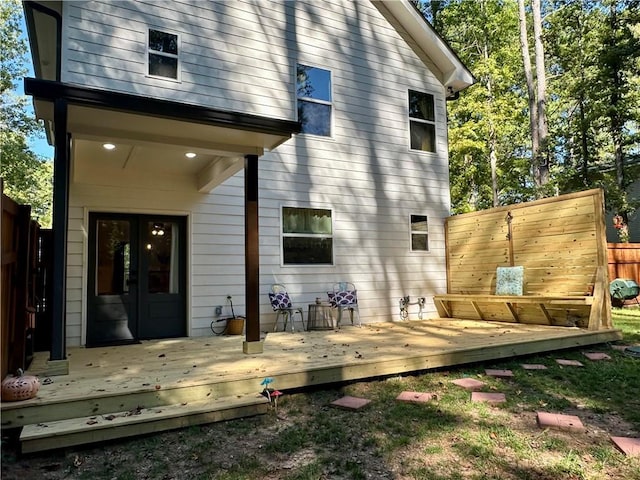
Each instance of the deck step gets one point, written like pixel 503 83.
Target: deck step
pixel 139 421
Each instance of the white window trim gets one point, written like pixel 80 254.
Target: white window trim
pixel 283 235
pixel 418 232
pixel 315 100
pixel 164 54
pixel 420 120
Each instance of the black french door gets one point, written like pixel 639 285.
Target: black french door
pixel 137 278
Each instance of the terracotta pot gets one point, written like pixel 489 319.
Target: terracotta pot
pixel 19 387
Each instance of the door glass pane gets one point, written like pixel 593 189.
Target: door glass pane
pixel 113 257
pixel 162 257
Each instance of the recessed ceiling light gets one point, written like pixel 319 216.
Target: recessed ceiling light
pixel 190 155
pixel 108 146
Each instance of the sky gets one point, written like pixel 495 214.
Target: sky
pixel 38 145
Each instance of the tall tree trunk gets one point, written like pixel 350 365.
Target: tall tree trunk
pixel 533 110
pixel 541 81
pixel 492 141
pixel 584 147
pixel 614 113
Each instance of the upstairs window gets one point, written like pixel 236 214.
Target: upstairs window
pixel 163 54
pixel 422 121
pixel 419 233
pixel 307 236
pixel 313 90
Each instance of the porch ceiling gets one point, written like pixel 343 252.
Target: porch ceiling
pixel 153 135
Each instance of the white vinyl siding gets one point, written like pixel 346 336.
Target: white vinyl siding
pixel 365 173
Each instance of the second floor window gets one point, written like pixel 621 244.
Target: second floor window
pixel 313 90
pixel 422 121
pixel 163 54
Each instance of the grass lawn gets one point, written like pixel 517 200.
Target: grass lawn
pixel 448 438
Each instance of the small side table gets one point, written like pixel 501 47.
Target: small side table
pixel 320 317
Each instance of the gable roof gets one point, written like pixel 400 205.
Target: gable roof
pixel 432 49
pixel 44 25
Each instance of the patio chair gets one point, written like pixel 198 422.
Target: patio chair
pixel 344 297
pixel 285 310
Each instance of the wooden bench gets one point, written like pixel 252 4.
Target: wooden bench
pixel 510 302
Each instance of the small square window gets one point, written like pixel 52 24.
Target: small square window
pixel 422 125
pixel 419 233
pixel 163 60
pixel 313 90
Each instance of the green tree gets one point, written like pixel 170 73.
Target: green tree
pixel 27 177
pixel 487 124
pixel 595 59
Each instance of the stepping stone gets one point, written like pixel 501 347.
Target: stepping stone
pixel 488 397
pixel 469 383
pixel 570 363
pixel 559 422
pixel 351 403
pixel 533 366
pixel 597 356
pixel 629 446
pixel 416 397
pixel 498 373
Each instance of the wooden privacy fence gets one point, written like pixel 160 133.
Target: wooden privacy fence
pixel 561 244
pixel 19 254
pixel 624 262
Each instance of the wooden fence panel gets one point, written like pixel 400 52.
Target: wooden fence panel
pixel 559 241
pixel 17 313
pixel 624 262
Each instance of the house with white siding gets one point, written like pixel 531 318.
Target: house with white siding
pixel 206 149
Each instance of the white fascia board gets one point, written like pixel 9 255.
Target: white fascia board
pixel 455 75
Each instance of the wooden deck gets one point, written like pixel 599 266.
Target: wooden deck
pixel 201 376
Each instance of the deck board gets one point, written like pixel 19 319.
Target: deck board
pixel 191 369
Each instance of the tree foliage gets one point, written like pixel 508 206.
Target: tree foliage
pixel 27 177
pixel 592 60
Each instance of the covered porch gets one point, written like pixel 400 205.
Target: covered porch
pixel 120 391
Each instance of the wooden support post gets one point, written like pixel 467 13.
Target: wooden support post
pixel 600 315
pixel 477 309
pixel 442 308
pixel 252 342
pixel 513 312
pixel 545 312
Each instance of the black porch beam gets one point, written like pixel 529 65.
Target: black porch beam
pixel 92 97
pixel 60 222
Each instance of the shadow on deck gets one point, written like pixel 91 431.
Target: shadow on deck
pixel 114 392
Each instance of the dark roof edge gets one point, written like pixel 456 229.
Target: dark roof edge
pixel 91 97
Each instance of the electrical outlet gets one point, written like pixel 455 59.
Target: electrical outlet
pixel 218 310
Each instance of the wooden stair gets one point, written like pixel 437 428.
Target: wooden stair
pixel 138 421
